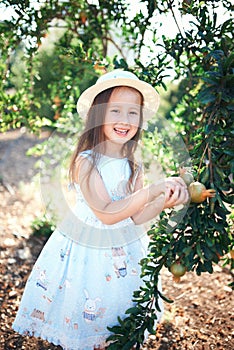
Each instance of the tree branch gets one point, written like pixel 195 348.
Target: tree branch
pixel 108 38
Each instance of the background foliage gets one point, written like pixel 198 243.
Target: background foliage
pixel 50 51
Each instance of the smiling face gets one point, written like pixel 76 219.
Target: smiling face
pixel 123 115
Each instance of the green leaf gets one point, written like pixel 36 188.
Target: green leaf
pixel 129 345
pixel 209 241
pixel 133 310
pixel 117 329
pixel 165 298
pixel 207 252
pixel 208 266
pixel 151 326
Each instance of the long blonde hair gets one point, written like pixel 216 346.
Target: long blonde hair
pixel 93 135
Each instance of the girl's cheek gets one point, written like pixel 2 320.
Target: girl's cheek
pixel 135 121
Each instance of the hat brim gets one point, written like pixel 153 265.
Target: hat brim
pixel 150 95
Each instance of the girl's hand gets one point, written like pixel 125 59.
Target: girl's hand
pixel 176 192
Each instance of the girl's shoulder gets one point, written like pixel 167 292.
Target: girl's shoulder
pixel 82 163
pixel 85 154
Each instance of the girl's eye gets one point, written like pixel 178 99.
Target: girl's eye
pixel 114 110
pixel 134 113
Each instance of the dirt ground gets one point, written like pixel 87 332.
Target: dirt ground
pixel 201 317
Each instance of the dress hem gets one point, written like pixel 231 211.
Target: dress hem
pixel 96 341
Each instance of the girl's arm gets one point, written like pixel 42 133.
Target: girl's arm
pixel 97 197
pixel 176 193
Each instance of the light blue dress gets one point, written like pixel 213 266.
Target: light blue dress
pixel 86 273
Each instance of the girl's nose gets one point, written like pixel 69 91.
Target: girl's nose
pixel 125 117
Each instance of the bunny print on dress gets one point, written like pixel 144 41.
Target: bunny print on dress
pixel 90 308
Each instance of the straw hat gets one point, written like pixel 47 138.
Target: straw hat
pixel 119 77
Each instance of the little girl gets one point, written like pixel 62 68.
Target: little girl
pixel 86 273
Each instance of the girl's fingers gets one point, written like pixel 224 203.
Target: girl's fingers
pixel 176 192
pixel 183 197
pixel 174 197
pixel 168 194
pixel 179 196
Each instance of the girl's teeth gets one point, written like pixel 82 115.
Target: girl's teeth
pixel 121 131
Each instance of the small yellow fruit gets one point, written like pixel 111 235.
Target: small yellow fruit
pixel 178 270
pixel 199 193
